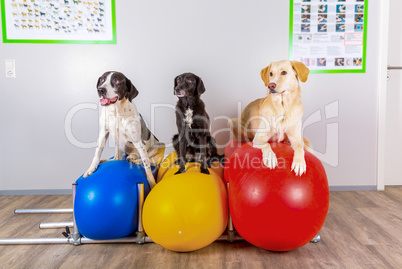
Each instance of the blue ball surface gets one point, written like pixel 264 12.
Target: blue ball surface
pixel 106 202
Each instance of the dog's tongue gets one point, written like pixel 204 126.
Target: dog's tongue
pixel 105 101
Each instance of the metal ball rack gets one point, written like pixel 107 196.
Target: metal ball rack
pixel 76 239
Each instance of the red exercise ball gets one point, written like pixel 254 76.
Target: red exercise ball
pixel 231 147
pixel 275 209
pixel 236 164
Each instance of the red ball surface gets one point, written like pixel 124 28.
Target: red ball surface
pixel 231 147
pixel 241 158
pixel 273 208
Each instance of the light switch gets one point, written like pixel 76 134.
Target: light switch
pixel 10 68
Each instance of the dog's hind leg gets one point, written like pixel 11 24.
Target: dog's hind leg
pixel 240 132
pixel 235 127
pixel 134 157
pixel 156 153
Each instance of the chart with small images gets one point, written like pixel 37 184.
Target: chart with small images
pixel 329 35
pixel 58 20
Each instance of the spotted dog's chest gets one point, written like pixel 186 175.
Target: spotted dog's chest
pixel 188 117
pixel 123 127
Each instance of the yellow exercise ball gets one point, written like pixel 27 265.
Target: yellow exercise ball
pixel 186 212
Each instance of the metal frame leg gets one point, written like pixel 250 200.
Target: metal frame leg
pixel 316 239
pixel 75 235
pixel 140 234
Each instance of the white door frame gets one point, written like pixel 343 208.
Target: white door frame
pixel 382 92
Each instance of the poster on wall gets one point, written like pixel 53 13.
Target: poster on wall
pixel 329 36
pixel 58 21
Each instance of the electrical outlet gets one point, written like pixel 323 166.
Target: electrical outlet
pixel 10 68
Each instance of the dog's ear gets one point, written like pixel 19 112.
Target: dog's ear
pixel 132 92
pixel 200 86
pixel 98 83
pixel 301 70
pixel 265 74
pixel 175 84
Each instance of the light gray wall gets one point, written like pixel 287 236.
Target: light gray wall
pixel 225 42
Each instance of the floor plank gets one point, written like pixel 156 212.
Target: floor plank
pixel 363 230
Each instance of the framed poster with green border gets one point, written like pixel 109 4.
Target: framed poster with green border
pixel 59 21
pixel 329 36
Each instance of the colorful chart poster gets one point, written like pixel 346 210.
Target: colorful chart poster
pixel 329 36
pixel 58 21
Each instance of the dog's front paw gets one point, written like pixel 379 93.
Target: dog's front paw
pixel 89 172
pixel 269 158
pixel 204 171
pixel 299 166
pixel 181 170
pixel 105 160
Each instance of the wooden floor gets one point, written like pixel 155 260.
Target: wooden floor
pixel 363 230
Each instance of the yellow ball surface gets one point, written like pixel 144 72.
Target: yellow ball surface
pixel 168 168
pixel 186 212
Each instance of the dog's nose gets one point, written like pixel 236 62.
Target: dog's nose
pixel 272 86
pixel 177 91
pixel 101 91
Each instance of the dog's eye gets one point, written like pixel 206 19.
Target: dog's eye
pixel 270 74
pixel 115 81
pixel 101 80
pixel 284 73
pixel 190 81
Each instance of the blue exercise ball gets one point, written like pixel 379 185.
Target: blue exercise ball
pixel 106 202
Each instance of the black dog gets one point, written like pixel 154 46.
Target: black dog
pixel 194 141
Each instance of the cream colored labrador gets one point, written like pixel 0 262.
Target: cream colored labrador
pixel 278 116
